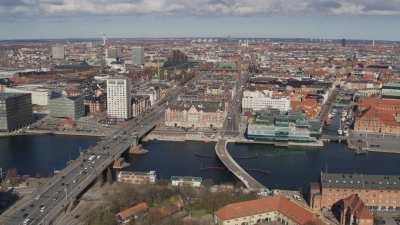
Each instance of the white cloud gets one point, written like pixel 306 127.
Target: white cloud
pixel 200 7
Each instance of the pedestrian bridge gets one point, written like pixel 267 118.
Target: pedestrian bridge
pixel 223 154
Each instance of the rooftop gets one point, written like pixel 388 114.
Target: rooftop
pixel 4 95
pixel 357 207
pixel 279 203
pixel 141 207
pixel 360 181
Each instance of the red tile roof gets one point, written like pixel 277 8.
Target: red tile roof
pixel 385 110
pixel 280 204
pixel 357 207
pixel 139 208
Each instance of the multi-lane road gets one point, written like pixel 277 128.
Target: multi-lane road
pixel 46 204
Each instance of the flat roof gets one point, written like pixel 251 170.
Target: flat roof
pixel 360 181
pixel 5 95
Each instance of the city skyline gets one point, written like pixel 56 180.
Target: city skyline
pixel 357 19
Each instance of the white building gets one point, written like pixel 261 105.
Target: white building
pixel 261 100
pixel 186 181
pixel 138 55
pixel 40 96
pixel 119 98
pixel 58 52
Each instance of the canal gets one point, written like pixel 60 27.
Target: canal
pixel 274 167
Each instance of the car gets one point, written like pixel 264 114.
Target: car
pixel 26 221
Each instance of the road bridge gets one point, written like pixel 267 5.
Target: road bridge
pixel 223 154
pixel 50 200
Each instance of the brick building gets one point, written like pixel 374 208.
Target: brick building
pixel 378 116
pixel 195 114
pixel 378 192
pixel 352 211
pixel 137 177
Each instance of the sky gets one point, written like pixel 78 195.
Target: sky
pixel 350 19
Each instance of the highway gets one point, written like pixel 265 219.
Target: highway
pixel 46 204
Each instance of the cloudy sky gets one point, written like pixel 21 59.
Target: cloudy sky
pixel 361 19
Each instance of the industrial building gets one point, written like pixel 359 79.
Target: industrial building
pixel 15 111
pixel 67 107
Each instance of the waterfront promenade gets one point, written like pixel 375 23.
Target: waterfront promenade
pixel 223 154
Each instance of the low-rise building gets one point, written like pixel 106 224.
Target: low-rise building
pixel 134 212
pixel 15 111
pixel 67 107
pixel 380 116
pixel 137 177
pixel 186 181
pixel 272 125
pixel 378 192
pixel 195 114
pixel 278 209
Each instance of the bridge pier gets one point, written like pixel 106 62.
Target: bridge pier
pixel 105 177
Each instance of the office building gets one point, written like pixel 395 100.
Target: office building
pixel 40 96
pixel 113 53
pixel 67 107
pixel 119 98
pixel 278 209
pixel 273 125
pixel 138 56
pixel 378 192
pixel 253 101
pixel 15 111
pixel 58 52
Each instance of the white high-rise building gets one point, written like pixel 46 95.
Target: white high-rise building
pixel 58 52
pixel 119 98
pixel 261 100
pixel 137 55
